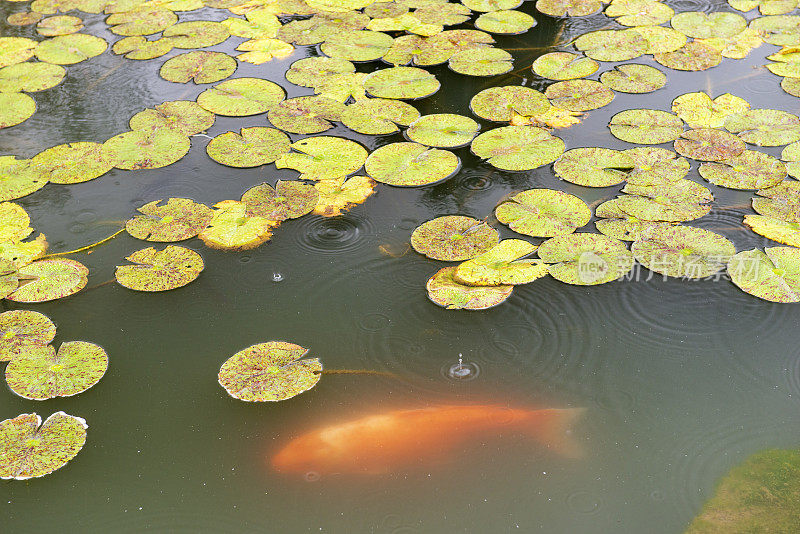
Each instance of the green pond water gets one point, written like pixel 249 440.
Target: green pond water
pixel 681 380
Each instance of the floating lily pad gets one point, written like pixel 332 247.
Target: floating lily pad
pixel 699 25
pixel 786 232
pixel 24 18
pixel 564 66
pixel 692 56
pixel 308 72
pixel 772 275
pixel 199 66
pixel 765 127
pixel 791 70
pixel 176 220
pixel 30 449
pixel 231 229
pixel 594 167
pixel 137 47
pixel 621 225
pixel 518 148
pixel 543 213
pixel 791 154
pixel 357 45
pixel 39 373
pixel 646 126
pixel 749 170
pixel 506 22
pixel 791 86
pixel 196 34
pixel 661 40
pixel 160 270
pixel 655 166
pixel 258 51
pixel 453 238
pixel 306 114
pixel 30 77
pixel 271 371
pixel 318 158
pixel 678 201
pixel 501 266
pixel 183 116
pixel 70 49
pixel 141 21
pixel 443 130
pixel 337 195
pixel 787 191
pixel 639 12
pixel 708 144
pixel 579 95
pixel 504 103
pixel 633 78
pixel 766 7
pixel 383 10
pixel 147 149
pixel 378 116
pixel 21 329
pixel 15 253
pixel 411 164
pixel 568 8
pixel 18 177
pixel 612 45
pixel 737 46
pixel 481 62
pixel 586 259
pixel 778 208
pixel 253 147
pixel 445 291
pixel 50 279
pixel 14 222
pixel 241 97
pixel 343 87
pixel 260 24
pixel 73 163
pixel 780 30
pixel 404 83
pixel 15 50
pixel 289 200
pixel 15 108
pixel 9 278
pixel 59 25
pixel 699 111
pixel 320 27
pixel 683 251
pixel 446 14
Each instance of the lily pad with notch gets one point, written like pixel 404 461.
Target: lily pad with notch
pixel 73 163
pixel 443 130
pixel 30 77
pixel 614 222
pixel 378 116
pixel 252 147
pixel 504 103
pixel 15 50
pixel 14 253
pixel 20 329
pixel 160 270
pixel 318 158
pixel 594 167
pixel 586 259
pixel 564 66
pixel 403 83
pixel 505 22
pixel 708 144
pixel 306 114
pixel 772 275
pixel 543 212
pixel 407 22
pixel 568 8
pixel 646 126
pixel 147 149
pixel 49 279
pixel 308 72
pixel 357 45
pixel 453 238
pixel 639 12
pixel 483 61
pixel 18 177
pixel 579 95
pixel 196 34
pixel 785 232
pixel 445 291
pixel 241 97
pixel 141 21
pixel 258 51
pixel 409 164
pixel 661 39
pixel 737 46
pixel 289 199
pixel 15 108
pixel 777 208
pixel 14 222
pixel 232 229
pixel 487 6
pixel 70 49
pixel 700 25
pixel 501 265
pixel 183 116
pixel 699 111
pixel 612 45
pixel 780 30
pixel 59 25
pixel 676 201
pixel 200 66
pixel 693 56
pixel 765 127
pixel 683 251
pixel 518 148
pixel 176 220
pixel 138 47
pixel 337 195
pixel 749 170
pixel 260 24
pixel 633 78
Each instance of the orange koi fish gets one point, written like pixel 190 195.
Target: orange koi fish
pixel 389 442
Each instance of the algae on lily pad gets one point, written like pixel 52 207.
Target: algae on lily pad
pixel 404 83
pixel 785 232
pixel 612 45
pixel 586 259
pixel 73 163
pixel 699 111
pixel 411 164
pixel 502 265
pixel 50 279
pixel 241 97
pixel 15 108
pixel 70 49
pixel 453 238
pixel 708 144
pixel 306 114
pixel 483 61
pixel 594 167
pixel 692 56
pixel 682 251
pixel 39 373
pixel 378 116
pixel 633 78
pixel 749 170
pixel 183 116
pixel 20 329
pixel 271 371
pixel 543 212
pixel 30 449
pixel 773 274
pixel 30 77
pixel 160 270
pixel 579 95
pixel 445 291
pixel 443 130
pixel 337 195
pixel 252 147
pixel 645 126
pixel 289 199
pixel 564 66
pixel 765 127
pixel 147 149
pixel 175 220
pixel 231 229
pixel 318 158
pixel 199 66
pixel 518 148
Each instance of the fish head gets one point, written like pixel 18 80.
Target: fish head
pixel 307 455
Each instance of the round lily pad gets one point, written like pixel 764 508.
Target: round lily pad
pixel 378 116
pixel 30 449
pixel 337 195
pixel 737 46
pixel 682 251
pixel 639 12
pixel 612 45
pixel 444 290
pixel 357 45
pixel 594 167
pixel 504 103
pixel 196 34
pixel 160 270
pixel 484 61
pixel 59 25
pixel 141 21
pixel 411 164
pixel 633 78
pixel 491 5
pixel 543 213
pixel 15 253
pixel 446 14
pixel 50 279
pixel 791 86
pixel 73 163
pixel 30 77
pixel 199 66
pixel 183 116
pixel 18 178
pixel 586 259
pixel 20 329
pixel 518 148
pixel 39 373
pixel 251 148
pixel 505 22
pixel 260 24
pixel 622 226
pixel 271 371
pixel 404 83
pixel 655 165
pixel 443 130
pixel 318 158
pixel 773 274
pixel 749 170
pixel 289 199
pixel 680 200
pixel 241 97
pixel 321 26
pixel 24 18
pixel 764 127
pixel 15 108
pixel 699 111
pixel 699 25
pixel 661 40
pixel 258 51
pixel 306 114
pixel 176 220
pixel 570 8
pixel 692 56
pixel 231 228
pixel 501 266
pixel 147 149
pixel 15 50
pixel 579 95
pixel 138 47
pixel 786 232
pixel 564 66
pixel 14 222
pixel 780 30
pixel 778 208
pixel 70 49
pixel 308 72
pixel 453 238
pixel 646 126
pixel 708 144
pixel 792 70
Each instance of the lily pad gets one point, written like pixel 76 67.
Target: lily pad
pixel 141 21
pixel 444 290
pixel 633 78
pixel 481 62
pixel 137 47
pixel 147 149
pixel 289 200
pixel 564 66
pixel 403 83
pixel 357 45
pixel 491 5
pixel 271 371
pixel 30 449
pixel 737 46
pixel 505 22
pixel 692 56
pixel 18 177
pixel 660 39
pixel 447 14
pixel 49 279
pixel 594 167
pixel 646 126
pixel 655 166
pixel 196 34
pixel 241 97
pixel 612 45
pixel 73 163
pixel 39 373
pixel 258 51
pixel 378 116
pixel 183 116
pixel 773 274
pixel 681 200
pixel 501 266
pixel 543 213
pixel 24 18
pixel 443 130
pixel 176 220
pixel 320 27
pixel 30 77
pixel 786 232
pixel 568 8
pixel 160 270
pixel 337 195
pixel 699 111
pixel 343 87
pixel 15 108
pixel 708 144
pixel 59 25
pixel 586 259
pixel 749 170
pixel 579 95
pixel 14 222
pixel 454 238
pixel 9 278
pixel 505 103
pixel 308 72
pixel 318 158
pixel 699 25
pixel 765 127
pixel 778 208
pixel 518 148
pixel 231 229
pixel 260 24
pixel 15 50
pixel 683 251
pixel 21 329
pixel 251 148
pixel 791 86
pixel 411 164
pixel 780 30
pixel 791 154
pixel 70 49
pixel 639 12
pixel 619 224
pixel 306 114
pixel 199 67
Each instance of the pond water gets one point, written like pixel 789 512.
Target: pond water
pixel 681 380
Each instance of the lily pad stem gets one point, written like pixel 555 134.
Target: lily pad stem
pixel 87 247
pixel 355 372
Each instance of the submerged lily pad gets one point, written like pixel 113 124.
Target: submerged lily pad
pixel 765 127
pixel 183 116
pixel 30 77
pixel 15 108
pixel 501 266
pixel 453 238
pixel 443 130
pixel 773 274
pixel 39 373
pixel 411 164
pixel 160 270
pixel 645 126
pixel 749 170
pixel 50 279
pixel 21 329
pixel 444 290
pixel 543 213
pixel 337 195
pixel 306 114
pixel 682 251
pixel 579 95
pixel 518 148
pixel 504 103
pixel 241 97
pixel 231 229
pixel 481 62
pixel 176 220
pixel 318 158
pixel 692 56
pixel 612 45
pixel 147 149
pixel 594 167
pixel 70 49
pixel 289 200
pixel 404 83
pixel 73 163
pixel 30 449
pixel 271 371
pixel 199 66
pixel 586 259
pixel 699 111
pixel 786 232
pixel 708 144
pixel 378 116
pixel 634 78
pixel 251 148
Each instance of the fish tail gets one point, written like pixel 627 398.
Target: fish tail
pixel 553 428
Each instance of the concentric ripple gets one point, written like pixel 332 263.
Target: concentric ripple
pixel 332 235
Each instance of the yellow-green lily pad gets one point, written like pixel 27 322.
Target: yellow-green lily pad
pixel 518 148
pixel 749 170
pixel 138 47
pixel 258 51
pixel 18 177
pixel 708 144
pixel 443 130
pixel 147 149
pixel 634 78
pixel 403 83
pixel 15 50
pixel 30 77
pixel 318 158
pixel 141 21
pixel 568 8
pixel 682 251
pixel 160 270
pixel 183 116
pixel 579 95
pixel 505 22
pixel 21 329
pixel 378 116
pixel 50 279
pixel 765 127
pixel 484 61
pixel 594 167
pixel 501 265
pixel 15 108
pixel 251 148
pixel 445 291
pixel 564 66
pixel 308 72
pixel 59 25
pixel 289 199
pixel 543 212
pixel 772 275
pixel 357 45
pixel 502 104
pixel 73 163
pixel 70 49
pixel 586 259
pixel 645 126
pixel 337 195
pixel 411 164
pixel 653 165
pixel 453 238
pixel 699 25
pixel 306 114
pixel 200 66
pixel 786 232
pixel 196 34
pixel 692 56
pixel 612 45
pixel 176 220
pixel 639 12
pixel 241 97
pixel 699 111
pixel 231 229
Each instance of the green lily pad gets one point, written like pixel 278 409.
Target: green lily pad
pixel 15 108
pixel 780 30
pixel 21 329
pixel 196 34
pixel 699 25
pixel 50 279
pixel 481 62
pixel 791 154
pixel 692 56
pixel 337 195
pixel 318 158
pixel 73 163
pixel 645 126
pixel 568 8
pixel 178 219
pixel 708 144
pixel 765 127
pixel 18 177
pixel 737 46
pixel 791 86
pixel 342 87
pixel 443 130
pixel 564 66
pixel 141 21
pixel 579 95
pixel 160 270
pixel 454 238
pixel 766 7
pixel 147 149
pixel 30 449
pixel 772 275
pixel 787 191
pixel 289 200
pixel 14 222
pixel 681 200
pixel 501 266
pixel 320 27
pixel 440 13
pixel 683 251
pixel 791 70
pixel 70 49
pixel 308 72
pixel 407 22
pixel 594 167
pixel 199 67
pixel 543 213
pixel 786 232
pixel 378 116
pixel 749 170
pixel 403 83
pixel 612 45
pixel 660 39
pixel 618 224
pixel 506 22
pixel 258 51
pixel 425 52
pixel 778 208
pixel 444 290
pixel 231 229
pixel 9 278
pixel 491 5
pixel 639 12
pixel 411 164
pixel 586 259
pixel 306 114
pixel 260 24
pixel 357 45
pixel 699 111
pixel 271 371
pixel 15 50
pixel 138 47
pixel 183 116
pixel 24 18
pixel 633 78
pixel 59 25
pixel 30 77
pixel 15 253
pixel 253 147
pixel 518 148
pixel 504 103
pixel 241 97
pixel 39 373
pixel 655 166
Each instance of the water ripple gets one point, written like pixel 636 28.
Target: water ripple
pixel 332 235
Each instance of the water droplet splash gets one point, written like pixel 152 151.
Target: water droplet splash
pixel 277 277
pixel 463 371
